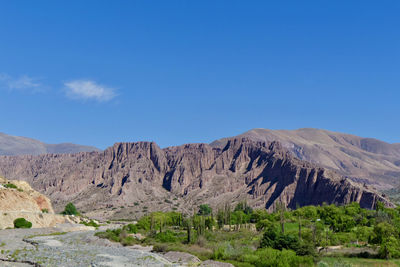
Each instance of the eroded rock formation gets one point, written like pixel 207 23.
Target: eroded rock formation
pixel 262 172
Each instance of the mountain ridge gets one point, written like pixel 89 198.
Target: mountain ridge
pixel 182 177
pixel 18 145
pixel 366 160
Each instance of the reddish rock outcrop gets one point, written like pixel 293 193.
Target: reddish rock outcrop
pixel 264 173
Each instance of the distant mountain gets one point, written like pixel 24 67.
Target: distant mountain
pixel 15 145
pixel 364 160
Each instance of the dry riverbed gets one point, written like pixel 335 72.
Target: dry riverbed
pixel 64 246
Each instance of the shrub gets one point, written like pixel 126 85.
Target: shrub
pixel 264 224
pixel 22 223
pixel 90 223
pixel 160 248
pixel 277 240
pixel 45 211
pixel 130 228
pixel 128 241
pixel 113 235
pixel 70 209
pixel 273 257
pixel 10 185
pixel 166 237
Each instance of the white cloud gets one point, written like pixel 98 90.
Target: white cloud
pixel 21 83
pixel 87 89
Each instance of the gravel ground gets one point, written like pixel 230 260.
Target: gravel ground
pixel 79 248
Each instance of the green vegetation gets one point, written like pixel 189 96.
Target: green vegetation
pixel 204 210
pixel 247 237
pixel 22 223
pixel 45 211
pixel 10 185
pixel 70 209
pixel 90 223
pixel 120 235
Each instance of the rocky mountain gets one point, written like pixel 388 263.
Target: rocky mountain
pixel 365 160
pixel 15 145
pixel 132 178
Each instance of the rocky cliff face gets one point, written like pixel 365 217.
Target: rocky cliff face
pixel 263 173
pixel 365 160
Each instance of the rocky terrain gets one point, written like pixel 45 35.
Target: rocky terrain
pixel 15 145
pixel 129 179
pixel 27 203
pixel 65 246
pixel 365 160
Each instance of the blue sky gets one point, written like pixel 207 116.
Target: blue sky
pixel 99 72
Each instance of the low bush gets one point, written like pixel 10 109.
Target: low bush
pixel 113 235
pixel 166 237
pixel 91 223
pixel 128 241
pixel 272 257
pixel 130 228
pixel 22 223
pixel 10 185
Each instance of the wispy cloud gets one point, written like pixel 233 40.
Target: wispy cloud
pixel 87 89
pixel 23 82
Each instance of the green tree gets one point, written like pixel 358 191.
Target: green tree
pixel 390 248
pixel 386 236
pixel 70 209
pixel 188 224
pixel 278 240
pixel 220 218
pixel 205 210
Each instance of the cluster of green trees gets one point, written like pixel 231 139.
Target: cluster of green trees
pixel 297 235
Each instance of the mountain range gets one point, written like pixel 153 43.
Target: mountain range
pixel 263 167
pixel 364 160
pixel 15 145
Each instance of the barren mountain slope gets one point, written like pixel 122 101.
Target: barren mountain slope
pixel 185 176
pixel 15 145
pixel 363 159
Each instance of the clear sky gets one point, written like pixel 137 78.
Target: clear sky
pixel 99 72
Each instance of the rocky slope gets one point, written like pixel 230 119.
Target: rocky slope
pixel 365 160
pixel 15 145
pixel 141 176
pixel 27 203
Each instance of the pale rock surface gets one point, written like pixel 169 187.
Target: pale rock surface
pixel 24 202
